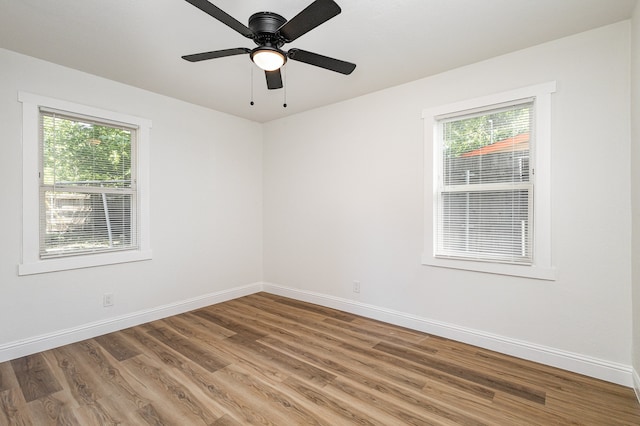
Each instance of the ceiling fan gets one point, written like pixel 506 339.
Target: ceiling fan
pixel 270 32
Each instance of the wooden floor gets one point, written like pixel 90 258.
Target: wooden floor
pixel 268 360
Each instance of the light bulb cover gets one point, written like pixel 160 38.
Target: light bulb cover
pixel 268 58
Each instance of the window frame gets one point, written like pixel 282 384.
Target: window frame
pixel 31 263
pixel 540 158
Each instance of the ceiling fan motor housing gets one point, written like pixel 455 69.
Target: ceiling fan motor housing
pixel 265 27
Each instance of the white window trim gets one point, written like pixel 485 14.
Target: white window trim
pixel 542 267
pixel 31 262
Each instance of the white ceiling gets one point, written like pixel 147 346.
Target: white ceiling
pixel 139 42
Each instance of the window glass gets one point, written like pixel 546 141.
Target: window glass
pixel 485 201
pixel 87 196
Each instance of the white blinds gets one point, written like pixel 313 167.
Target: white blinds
pixel 485 185
pixel 87 186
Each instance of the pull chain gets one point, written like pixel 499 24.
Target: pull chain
pixel 251 103
pixel 284 105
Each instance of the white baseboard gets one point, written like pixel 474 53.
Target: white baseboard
pixel 636 384
pixel 589 366
pixel 44 342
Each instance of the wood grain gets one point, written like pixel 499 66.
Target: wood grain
pixel 268 360
pixel 35 377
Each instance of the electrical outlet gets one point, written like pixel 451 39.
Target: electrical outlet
pixel 356 286
pixel 107 299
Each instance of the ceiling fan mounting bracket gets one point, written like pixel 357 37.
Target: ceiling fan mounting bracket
pixel 265 27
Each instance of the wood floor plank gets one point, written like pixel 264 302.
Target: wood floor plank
pixel 190 350
pixel 13 408
pixel 172 359
pixel 423 358
pixel 401 408
pixel 116 346
pixel 50 410
pixel 429 373
pixel 271 356
pixel 391 330
pixel 241 330
pixel 378 333
pixel 7 377
pixel 292 365
pixel 171 392
pixel 311 323
pixel 309 307
pixel 550 377
pixel 378 386
pixel 35 377
pixel 82 392
pixel 151 416
pixel 187 324
pixel 199 380
pixel 127 413
pixel 274 322
pixel 280 404
pixel 226 420
pixel 385 366
pixel 338 408
pixel 469 404
pixel 343 364
pixel 114 379
pixel 264 359
pixel 603 408
pixel 522 411
pixel 508 368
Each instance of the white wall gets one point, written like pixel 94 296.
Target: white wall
pixel 635 188
pixel 206 218
pixel 344 201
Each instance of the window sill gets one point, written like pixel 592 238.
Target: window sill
pixel 526 271
pixel 78 262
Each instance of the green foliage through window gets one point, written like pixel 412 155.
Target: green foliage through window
pixel 85 153
pixel 471 133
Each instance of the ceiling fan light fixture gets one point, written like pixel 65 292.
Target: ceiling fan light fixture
pixel 268 58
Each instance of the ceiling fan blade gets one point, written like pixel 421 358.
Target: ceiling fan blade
pixel 222 16
pixel 274 79
pixel 321 61
pixel 318 12
pixel 197 57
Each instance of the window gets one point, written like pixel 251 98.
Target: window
pixel 85 186
pixel 488 202
pixel 484 193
